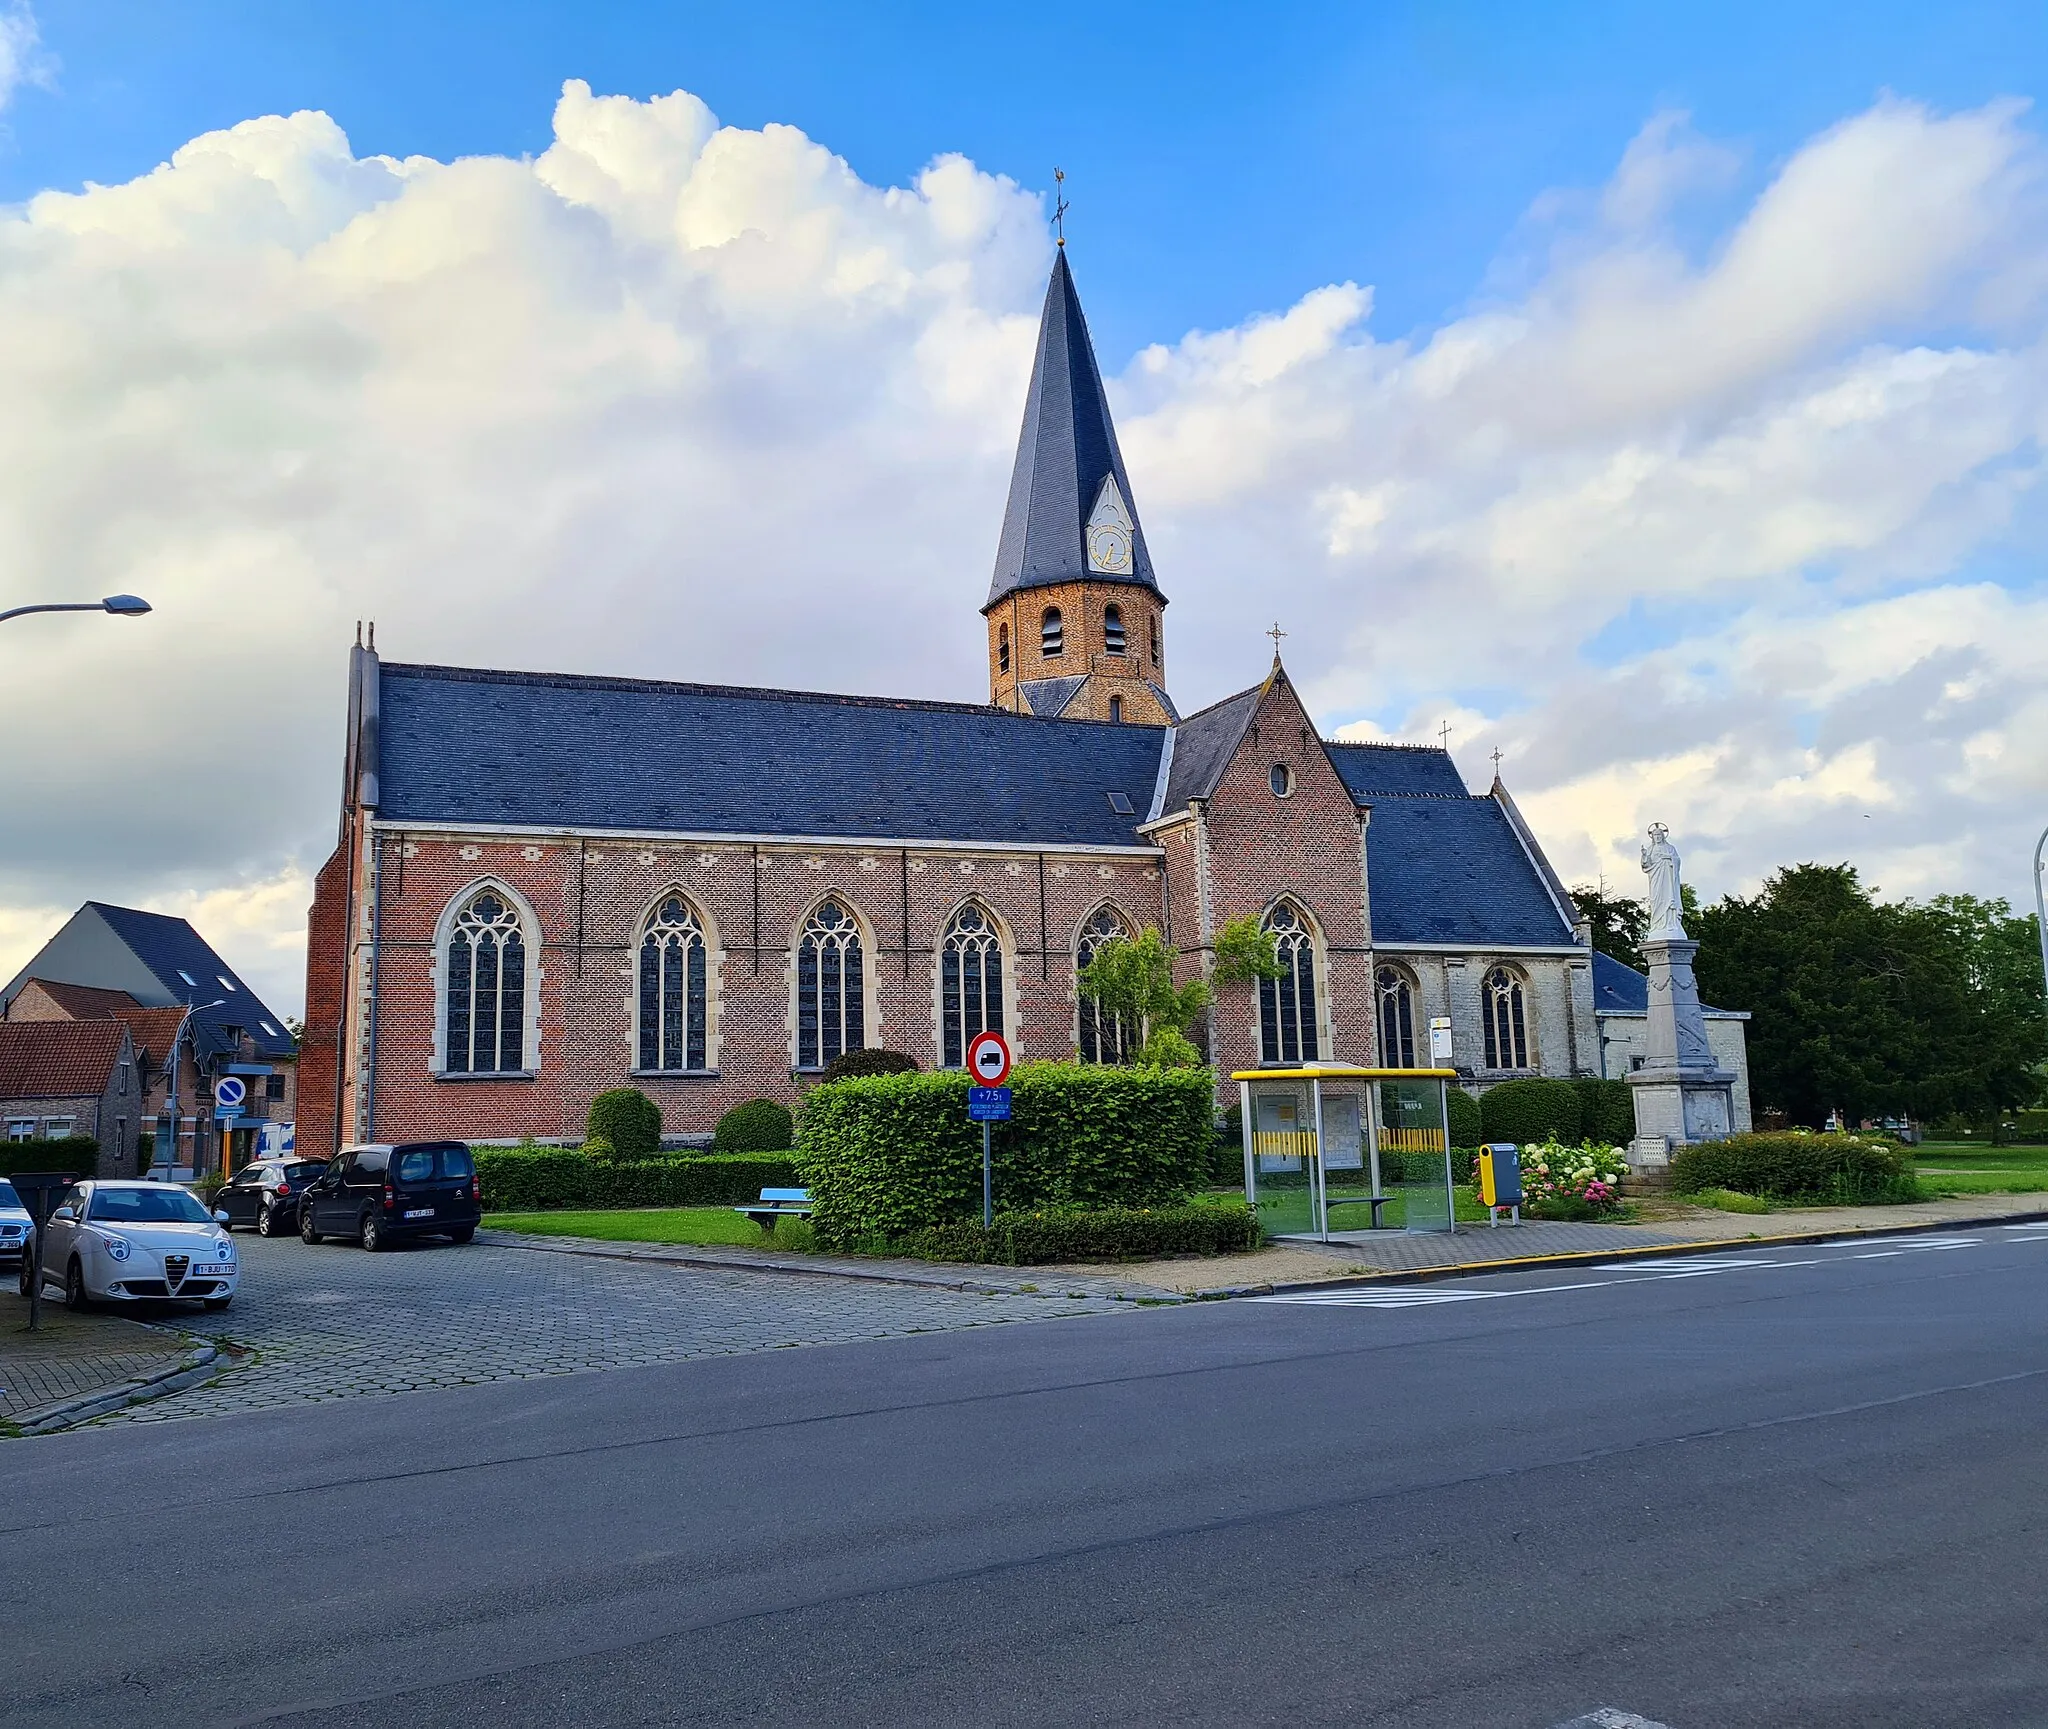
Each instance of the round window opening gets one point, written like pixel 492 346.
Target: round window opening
pixel 1281 780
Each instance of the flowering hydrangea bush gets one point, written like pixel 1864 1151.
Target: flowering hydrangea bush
pixel 1560 1182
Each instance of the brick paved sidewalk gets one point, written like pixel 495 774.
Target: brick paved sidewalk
pixel 74 1355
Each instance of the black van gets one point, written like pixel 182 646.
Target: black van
pixel 380 1194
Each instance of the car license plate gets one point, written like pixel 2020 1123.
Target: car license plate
pixel 419 1212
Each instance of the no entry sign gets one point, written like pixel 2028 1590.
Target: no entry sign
pixel 988 1058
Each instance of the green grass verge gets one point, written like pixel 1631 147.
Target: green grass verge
pixel 1971 1168
pixel 1727 1201
pixel 657 1225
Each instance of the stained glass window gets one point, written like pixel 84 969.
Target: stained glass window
pixel 486 989
pixel 1103 1035
pixel 1397 1017
pixel 970 983
pixel 1287 1005
pixel 831 993
pixel 1507 1030
pixel 674 989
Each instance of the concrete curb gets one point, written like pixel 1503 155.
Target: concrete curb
pixel 1604 1257
pixel 677 1256
pixel 200 1364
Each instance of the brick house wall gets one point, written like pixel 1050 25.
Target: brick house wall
pixel 112 1116
pixel 318 1078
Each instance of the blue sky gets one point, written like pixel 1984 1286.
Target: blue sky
pixel 1655 395
pixel 1221 158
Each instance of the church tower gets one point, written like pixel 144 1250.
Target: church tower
pixel 1076 622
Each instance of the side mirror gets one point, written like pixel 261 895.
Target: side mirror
pixel 220 1215
pixel 62 1213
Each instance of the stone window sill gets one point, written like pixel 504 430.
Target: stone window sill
pixel 486 1074
pixel 672 1074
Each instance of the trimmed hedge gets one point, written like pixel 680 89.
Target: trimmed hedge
pixel 1103 1234
pixel 849 1064
pixel 1789 1167
pixel 1467 1130
pixel 888 1155
pixel 628 1119
pixel 1607 1112
pixel 522 1179
pixel 758 1126
pixel 1530 1110
pixel 78 1154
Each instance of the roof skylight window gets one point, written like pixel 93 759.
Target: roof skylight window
pixel 271 1030
pixel 188 978
pixel 1120 802
pixel 226 983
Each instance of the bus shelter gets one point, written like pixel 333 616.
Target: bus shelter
pixel 1372 1145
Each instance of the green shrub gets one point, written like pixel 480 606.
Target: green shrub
pixel 891 1154
pixel 1168 1048
pixel 849 1064
pixel 597 1147
pixel 1792 1167
pixel 1728 1201
pixel 78 1154
pixel 526 1179
pixel 1466 1127
pixel 1607 1112
pixel 1019 1239
pixel 758 1126
pixel 1531 1110
pixel 629 1119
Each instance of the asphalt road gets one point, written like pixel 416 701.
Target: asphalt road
pixel 1803 1486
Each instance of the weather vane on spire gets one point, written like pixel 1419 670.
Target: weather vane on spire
pixel 1276 633
pixel 1059 205
pixel 1496 762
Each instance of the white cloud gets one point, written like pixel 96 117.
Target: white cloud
pixel 22 58
pixel 1685 534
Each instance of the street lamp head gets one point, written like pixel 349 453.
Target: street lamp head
pixel 126 605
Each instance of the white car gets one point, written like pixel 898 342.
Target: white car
pixel 16 1227
pixel 136 1243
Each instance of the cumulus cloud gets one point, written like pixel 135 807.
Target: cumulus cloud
pixel 1722 536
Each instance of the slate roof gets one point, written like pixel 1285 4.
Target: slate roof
pixel 562 750
pixel 1066 448
pixel 1400 770
pixel 1049 697
pixel 1451 870
pixel 186 966
pixel 1618 989
pixel 1203 745
pixel 58 1059
pixel 82 1002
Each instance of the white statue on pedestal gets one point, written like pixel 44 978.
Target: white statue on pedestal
pixel 1660 864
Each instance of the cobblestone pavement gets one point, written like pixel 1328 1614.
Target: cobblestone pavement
pixel 331 1322
pixel 73 1354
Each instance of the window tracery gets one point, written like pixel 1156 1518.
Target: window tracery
pixel 1103 1036
pixel 831 987
pixel 486 988
pixel 1288 1018
pixel 674 990
pixel 1507 1030
pixel 970 983
pixel 1396 995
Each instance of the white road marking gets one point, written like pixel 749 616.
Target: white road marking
pixel 1701 1267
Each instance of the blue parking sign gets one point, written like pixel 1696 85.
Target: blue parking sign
pixel 988 1104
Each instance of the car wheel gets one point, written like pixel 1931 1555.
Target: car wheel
pixel 218 1302
pixel 28 1271
pixel 462 1236
pixel 75 1295
pixel 306 1232
pixel 266 1226
pixel 373 1233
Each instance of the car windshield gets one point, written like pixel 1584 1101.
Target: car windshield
pixel 8 1198
pixel 146 1207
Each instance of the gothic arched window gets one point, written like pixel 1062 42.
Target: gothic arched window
pixel 486 994
pixel 1052 637
pixel 1396 994
pixel 831 988
pixel 1002 648
pixel 1287 1005
pixel 1103 1036
pixel 1113 629
pixel 970 983
pixel 1153 619
pixel 674 989
pixel 1507 1027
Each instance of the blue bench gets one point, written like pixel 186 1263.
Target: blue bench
pixel 778 1204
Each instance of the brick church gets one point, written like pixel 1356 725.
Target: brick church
pixel 547 885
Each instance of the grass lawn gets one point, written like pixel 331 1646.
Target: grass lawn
pixel 653 1225
pixel 1972 1168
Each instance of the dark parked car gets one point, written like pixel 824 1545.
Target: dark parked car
pixel 265 1196
pixel 379 1195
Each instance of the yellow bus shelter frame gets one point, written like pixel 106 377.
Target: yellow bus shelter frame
pixel 1308 1144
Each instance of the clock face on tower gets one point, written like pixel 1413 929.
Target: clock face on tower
pixel 1109 532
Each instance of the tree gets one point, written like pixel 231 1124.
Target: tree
pixel 1245 952
pixel 1618 922
pixel 1132 979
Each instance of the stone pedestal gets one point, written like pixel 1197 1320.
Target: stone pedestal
pixel 1681 1094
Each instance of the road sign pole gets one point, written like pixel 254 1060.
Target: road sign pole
pixel 988 1189
pixel 35 1285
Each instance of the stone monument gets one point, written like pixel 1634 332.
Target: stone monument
pixel 1682 1094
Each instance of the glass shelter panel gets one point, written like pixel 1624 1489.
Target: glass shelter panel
pixel 1413 1167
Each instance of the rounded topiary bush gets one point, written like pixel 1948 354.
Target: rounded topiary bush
pixel 758 1126
pixel 1466 1128
pixel 597 1147
pixel 1797 1167
pixel 1531 1110
pixel 1607 1111
pixel 849 1064
pixel 629 1120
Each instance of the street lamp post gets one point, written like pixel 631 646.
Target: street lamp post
pixel 171 1103
pixel 120 605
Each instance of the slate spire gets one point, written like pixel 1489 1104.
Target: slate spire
pixel 1071 516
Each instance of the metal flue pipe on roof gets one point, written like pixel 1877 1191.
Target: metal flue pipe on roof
pixel 120 605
